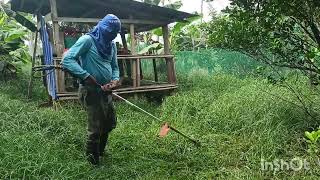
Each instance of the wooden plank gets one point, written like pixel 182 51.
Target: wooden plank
pixel 96 20
pixel 146 90
pixel 146 87
pixel 147 82
pixel 127 89
pixel 120 57
pixel 74 96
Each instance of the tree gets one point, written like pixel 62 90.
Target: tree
pixel 165 3
pixel 280 33
pixel 202 6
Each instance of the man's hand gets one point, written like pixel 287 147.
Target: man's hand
pixel 110 86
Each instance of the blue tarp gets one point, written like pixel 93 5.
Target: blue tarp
pixel 48 60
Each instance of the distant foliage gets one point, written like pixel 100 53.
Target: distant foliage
pixel 281 33
pixel 169 4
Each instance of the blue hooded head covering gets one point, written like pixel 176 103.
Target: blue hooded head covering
pixel 104 33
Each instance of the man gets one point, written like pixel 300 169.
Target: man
pixel 99 73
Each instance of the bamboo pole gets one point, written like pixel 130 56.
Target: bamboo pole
pixel 33 64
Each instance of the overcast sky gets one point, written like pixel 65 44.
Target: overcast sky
pixel 195 5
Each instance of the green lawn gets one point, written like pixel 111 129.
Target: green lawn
pixel 239 122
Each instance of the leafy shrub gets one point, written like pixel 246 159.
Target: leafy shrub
pixel 312 140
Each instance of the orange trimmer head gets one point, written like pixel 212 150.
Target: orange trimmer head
pixel 164 131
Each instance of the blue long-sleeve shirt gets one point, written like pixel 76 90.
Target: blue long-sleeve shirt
pixel 91 63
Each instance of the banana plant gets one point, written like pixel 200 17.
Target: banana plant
pixel 12 36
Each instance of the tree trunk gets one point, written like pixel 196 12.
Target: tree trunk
pixel 202 3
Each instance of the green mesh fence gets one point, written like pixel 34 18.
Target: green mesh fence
pixel 215 61
pixel 211 61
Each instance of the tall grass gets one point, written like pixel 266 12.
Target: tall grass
pixel 238 121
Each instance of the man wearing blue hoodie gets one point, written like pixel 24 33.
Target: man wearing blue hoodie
pixel 93 59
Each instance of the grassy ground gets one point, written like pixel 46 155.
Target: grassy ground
pixel 239 122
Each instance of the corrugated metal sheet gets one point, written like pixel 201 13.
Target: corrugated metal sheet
pixel 99 8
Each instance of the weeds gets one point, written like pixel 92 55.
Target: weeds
pixel 239 122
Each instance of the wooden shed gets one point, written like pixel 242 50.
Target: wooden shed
pixel 135 16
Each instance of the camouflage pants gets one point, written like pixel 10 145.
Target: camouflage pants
pixel 101 118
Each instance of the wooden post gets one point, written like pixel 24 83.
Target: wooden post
pixel 58 47
pixel 33 63
pixel 133 52
pixel 125 63
pixel 169 61
pixel 135 63
pixel 124 41
pixel 156 79
pixel 138 73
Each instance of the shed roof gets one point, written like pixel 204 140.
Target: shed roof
pixel 124 9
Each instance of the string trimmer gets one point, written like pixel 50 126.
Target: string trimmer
pixel 165 128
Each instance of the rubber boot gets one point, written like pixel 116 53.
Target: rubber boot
pixel 93 152
pixel 103 143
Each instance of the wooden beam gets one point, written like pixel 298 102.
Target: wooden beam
pixel 134 57
pixel 146 87
pixel 95 20
pixel 74 96
pixel 145 56
pixel 146 90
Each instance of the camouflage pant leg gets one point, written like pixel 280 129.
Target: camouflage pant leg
pixel 101 117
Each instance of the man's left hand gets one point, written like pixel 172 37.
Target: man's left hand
pixel 110 86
